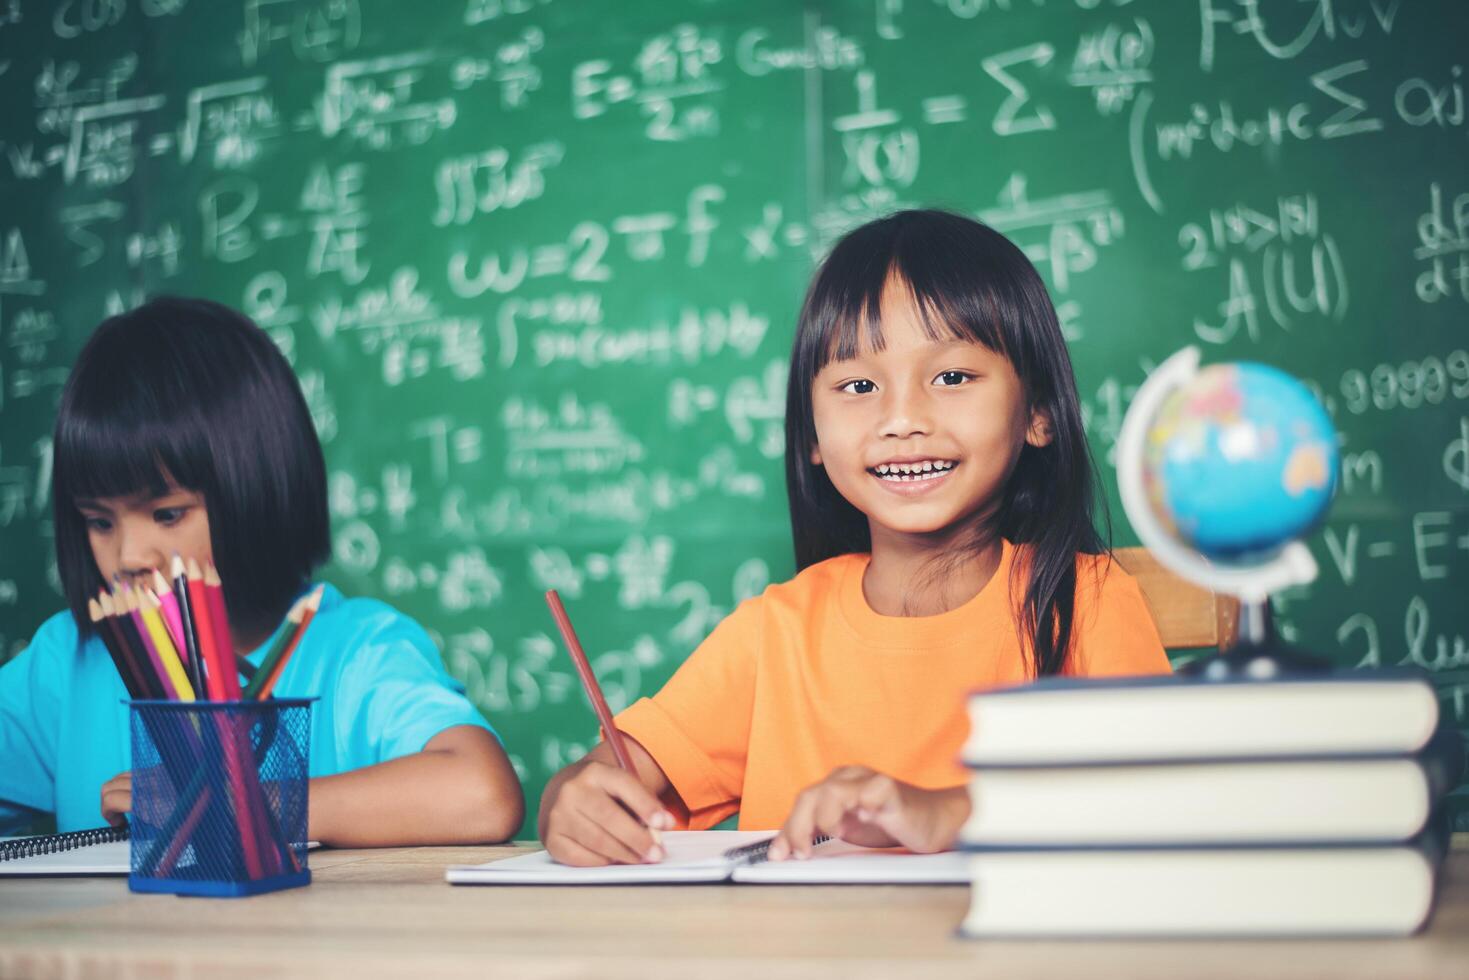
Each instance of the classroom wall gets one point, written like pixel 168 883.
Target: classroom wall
pixel 537 262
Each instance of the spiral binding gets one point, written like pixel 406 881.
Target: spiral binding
pixel 758 851
pixel 25 847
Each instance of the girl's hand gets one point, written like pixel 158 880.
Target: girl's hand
pixel 117 798
pixel 601 814
pixel 861 806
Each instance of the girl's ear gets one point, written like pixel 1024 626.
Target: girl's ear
pixel 1039 432
pixel 815 455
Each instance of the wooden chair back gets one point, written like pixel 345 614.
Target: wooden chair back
pixel 1187 615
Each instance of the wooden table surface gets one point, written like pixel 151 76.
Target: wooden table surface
pixel 389 913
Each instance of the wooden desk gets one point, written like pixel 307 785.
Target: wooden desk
pixel 389 913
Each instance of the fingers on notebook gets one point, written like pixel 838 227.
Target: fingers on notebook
pixel 794 839
pixel 853 803
pixel 604 815
pixel 878 798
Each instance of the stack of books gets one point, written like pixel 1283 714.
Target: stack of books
pixel 1174 806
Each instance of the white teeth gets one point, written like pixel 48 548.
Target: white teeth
pixel 928 469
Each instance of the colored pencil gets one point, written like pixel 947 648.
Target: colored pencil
pixel 132 645
pixel 219 617
pixel 174 625
pixel 173 592
pixel 112 634
pixel 283 637
pixel 113 606
pixel 280 651
pixel 589 681
pixel 167 655
pixel 246 668
pixel 308 612
pixel 112 641
pixel 222 682
pixel 167 610
pixel 128 600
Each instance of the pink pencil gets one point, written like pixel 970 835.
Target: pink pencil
pixel 168 606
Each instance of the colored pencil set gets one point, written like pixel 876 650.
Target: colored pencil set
pixel 170 638
pixel 170 641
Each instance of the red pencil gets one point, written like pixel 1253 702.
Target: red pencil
pixel 589 681
pixel 219 670
pixel 219 617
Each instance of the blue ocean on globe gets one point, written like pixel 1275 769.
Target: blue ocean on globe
pixel 1240 461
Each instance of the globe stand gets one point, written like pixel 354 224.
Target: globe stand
pixel 1258 653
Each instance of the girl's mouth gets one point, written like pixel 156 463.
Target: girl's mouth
pixel 920 471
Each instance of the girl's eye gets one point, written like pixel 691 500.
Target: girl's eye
pixel 951 378
pixel 98 525
pixel 859 387
pixel 169 515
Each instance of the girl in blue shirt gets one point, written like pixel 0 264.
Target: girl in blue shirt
pixel 182 430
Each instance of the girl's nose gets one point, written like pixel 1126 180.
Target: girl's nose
pixel 907 412
pixel 137 551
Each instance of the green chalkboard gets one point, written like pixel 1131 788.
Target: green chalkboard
pixel 537 262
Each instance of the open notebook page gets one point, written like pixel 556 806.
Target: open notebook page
pixel 692 856
pixel 698 856
pixel 839 863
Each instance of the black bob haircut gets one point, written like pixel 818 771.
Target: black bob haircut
pixel 971 283
pixel 189 391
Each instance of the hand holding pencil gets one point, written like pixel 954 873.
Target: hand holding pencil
pixel 603 810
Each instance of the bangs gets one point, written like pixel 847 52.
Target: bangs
pixel 190 394
pixel 109 460
pixel 134 427
pixel 950 296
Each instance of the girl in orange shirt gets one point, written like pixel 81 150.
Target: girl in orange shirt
pixel 941 495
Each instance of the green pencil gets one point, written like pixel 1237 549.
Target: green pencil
pixel 277 649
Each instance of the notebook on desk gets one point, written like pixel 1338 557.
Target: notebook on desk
pixel 101 852
pixel 730 855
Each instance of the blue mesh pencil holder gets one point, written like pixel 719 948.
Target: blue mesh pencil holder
pixel 219 796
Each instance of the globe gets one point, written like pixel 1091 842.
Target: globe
pixel 1239 461
pixel 1222 470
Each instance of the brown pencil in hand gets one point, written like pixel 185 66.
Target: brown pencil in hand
pixel 589 681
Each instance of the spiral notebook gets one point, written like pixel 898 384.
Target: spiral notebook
pixel 101 851
pixel 98 852
pixel 730 855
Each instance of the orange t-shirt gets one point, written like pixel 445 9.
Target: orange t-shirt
pixel 806 678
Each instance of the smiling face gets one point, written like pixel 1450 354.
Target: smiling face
pixel 923 434
pixel 130 536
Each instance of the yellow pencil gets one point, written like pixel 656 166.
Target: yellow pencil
pixel 158 633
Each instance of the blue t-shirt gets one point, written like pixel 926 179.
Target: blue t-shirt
pixel 382 689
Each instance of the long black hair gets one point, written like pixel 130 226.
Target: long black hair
pixel 189 391
pixel 971 282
